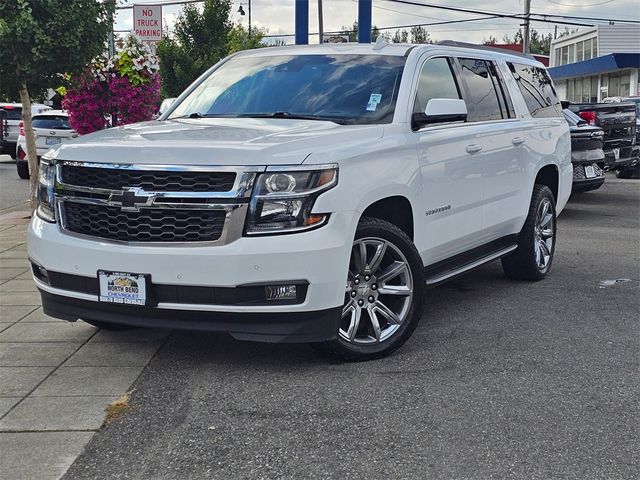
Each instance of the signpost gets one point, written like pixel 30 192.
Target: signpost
pixel 147 22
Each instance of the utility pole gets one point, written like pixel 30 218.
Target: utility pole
pixel 320 23
pixel 249 18
pixel 525 38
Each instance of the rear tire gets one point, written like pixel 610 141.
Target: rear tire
pixel 537 240
pixel 23 170
pixel 383 299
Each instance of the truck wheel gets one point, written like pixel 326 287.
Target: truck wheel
pixel 383 299
pixel 537 240
pixel 23 170
pixel 626 173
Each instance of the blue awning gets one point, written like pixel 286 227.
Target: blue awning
pixel 595 66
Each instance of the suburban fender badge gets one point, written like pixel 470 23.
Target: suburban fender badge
pixel 444 208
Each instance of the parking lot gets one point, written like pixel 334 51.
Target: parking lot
pixel 501 380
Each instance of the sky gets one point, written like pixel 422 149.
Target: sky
pixel 277 16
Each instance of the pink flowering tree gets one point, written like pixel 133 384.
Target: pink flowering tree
pixel 115 91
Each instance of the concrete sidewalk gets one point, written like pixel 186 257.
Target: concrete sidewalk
pixel 56 378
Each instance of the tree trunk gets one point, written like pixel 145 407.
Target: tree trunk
pixel 32 152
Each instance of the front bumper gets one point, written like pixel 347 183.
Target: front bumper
pixel 319 258
pixel 296 327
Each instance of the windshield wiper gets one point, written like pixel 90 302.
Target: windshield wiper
pixel 296 116
pixel 288 115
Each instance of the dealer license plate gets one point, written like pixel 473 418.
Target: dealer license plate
pixel 616 153
pixel 589 171
pixel 52 140
pixel 125 288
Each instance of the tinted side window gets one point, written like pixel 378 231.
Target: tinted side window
pixel 504 97
pixel 537 90
pixel 436 81
pixel 481 96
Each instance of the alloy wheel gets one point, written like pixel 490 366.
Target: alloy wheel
pixel 544 234
pixel 379 292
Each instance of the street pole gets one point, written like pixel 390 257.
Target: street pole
pixel 249 18
pixel 320 23
pixel 525 40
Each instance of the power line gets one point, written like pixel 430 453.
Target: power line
pixel 168 3
pixel 575 5
pixel 545 17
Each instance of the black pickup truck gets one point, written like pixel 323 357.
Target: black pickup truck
pixel 618 120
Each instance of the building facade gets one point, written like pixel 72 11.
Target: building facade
pixel 597 62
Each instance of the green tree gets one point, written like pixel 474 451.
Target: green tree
pixel 400 36
pixel 540 44
pixel 420 35
pixel 39 41
pixel 199 40
pixel 239 39
pixel 489 41
pixel 352 32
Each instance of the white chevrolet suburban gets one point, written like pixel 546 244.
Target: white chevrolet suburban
pixel 307 194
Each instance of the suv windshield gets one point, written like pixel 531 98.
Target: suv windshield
pixel 346 89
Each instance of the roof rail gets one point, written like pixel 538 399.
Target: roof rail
pixel 453 43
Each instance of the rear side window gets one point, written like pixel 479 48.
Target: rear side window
pixel 52 122
pixel 13 113
pixel 537 90
pixel 436 81
pixel 481 95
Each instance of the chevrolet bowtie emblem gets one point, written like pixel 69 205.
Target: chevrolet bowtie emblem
pixel 131 199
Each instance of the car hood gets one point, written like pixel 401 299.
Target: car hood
pixel 215 141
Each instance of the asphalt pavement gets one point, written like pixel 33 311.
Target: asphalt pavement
pixel 502 379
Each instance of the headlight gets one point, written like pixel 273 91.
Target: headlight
pixel 45 208
pixel 282 200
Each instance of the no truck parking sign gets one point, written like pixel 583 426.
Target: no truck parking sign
pixel 147 22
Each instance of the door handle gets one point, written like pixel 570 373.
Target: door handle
pixel 517 140
pixel 473 148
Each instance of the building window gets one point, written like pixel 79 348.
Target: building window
pixel 572 48
pixel 587 50
pixel 593 92
pixel 614 85
pixel 625 84
pixel 579 51
pixel 595 47
pixel 564 56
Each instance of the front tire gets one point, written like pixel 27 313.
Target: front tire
pixel 383 299
pixel 537 240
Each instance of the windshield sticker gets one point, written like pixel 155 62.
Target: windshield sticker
pixel 374 100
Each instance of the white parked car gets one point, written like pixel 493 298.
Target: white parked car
pixel 308 194
pixel 50 128
pixel 10 118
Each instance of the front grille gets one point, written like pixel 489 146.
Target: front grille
pixel 148 225
pixel 148 180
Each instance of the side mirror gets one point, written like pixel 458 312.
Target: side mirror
pixel 166 103
pixel 440 110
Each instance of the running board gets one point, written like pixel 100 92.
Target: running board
pixel 442 277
